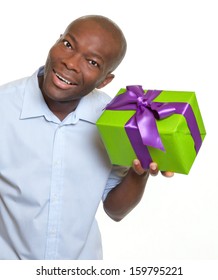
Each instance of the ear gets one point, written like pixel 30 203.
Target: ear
pixel 106 81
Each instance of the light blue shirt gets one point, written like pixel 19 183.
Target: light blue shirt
pixel 53 175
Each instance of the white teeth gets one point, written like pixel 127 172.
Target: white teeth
pixel 62 79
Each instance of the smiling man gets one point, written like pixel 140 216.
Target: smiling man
pixel 54 169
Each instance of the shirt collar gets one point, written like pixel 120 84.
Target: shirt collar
pixel 91 106
pixel 33 104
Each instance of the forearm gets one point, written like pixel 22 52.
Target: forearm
pixel 123 198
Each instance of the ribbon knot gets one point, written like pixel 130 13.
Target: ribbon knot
pixel 135 99
pixel 142 102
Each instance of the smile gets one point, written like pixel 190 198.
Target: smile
pixel 63 79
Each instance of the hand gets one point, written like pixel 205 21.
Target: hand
pixel 153 169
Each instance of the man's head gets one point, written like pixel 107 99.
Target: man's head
pixel 83 58
pixel 110 29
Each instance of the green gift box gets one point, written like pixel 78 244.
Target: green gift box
pixel 161 126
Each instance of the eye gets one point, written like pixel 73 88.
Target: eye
pixel 67 44
pixel 93 63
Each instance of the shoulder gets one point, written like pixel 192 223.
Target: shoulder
pixel 18 86
pixel 100 96
pixel 11 88
pixel 98 101
pixel 12 96
pixel 92 105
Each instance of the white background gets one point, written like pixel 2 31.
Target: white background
pixel 172 45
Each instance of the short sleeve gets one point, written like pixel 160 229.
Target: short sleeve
pixel 115 177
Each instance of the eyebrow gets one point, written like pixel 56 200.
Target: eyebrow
pixel 95 55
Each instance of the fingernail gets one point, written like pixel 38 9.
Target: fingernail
pixel 153 166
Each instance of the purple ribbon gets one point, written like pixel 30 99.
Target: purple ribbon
pixel 141 128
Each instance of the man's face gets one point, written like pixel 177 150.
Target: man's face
pixel 79 62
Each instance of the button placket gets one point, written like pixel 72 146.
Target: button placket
pixel 55 203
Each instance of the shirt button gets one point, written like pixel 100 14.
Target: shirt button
pixel 57 162
pixel 54 197
pixel 53 231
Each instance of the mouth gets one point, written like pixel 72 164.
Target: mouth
pixel 67 82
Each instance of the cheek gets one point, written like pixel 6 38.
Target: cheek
pixel 54 52
pixel 51 61
pixel 92 81
pixel 94 77
pixel 53 55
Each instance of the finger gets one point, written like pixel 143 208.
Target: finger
pixel 138 167
pixel 153 169
pixel 167 174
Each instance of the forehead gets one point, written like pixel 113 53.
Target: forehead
pixel 93 35
pixel 95 28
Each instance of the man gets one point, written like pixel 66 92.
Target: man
pixel 54 169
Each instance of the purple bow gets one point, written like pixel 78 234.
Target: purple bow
pixel 144 119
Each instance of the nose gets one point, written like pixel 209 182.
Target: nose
pixel 72 62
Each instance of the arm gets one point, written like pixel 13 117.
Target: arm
pixel 125 196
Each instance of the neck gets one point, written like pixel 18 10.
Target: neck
pixel 60 109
